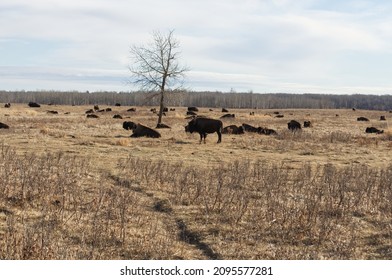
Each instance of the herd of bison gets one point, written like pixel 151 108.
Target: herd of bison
pixel 197 123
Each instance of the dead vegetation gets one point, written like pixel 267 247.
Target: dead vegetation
pixel 77 188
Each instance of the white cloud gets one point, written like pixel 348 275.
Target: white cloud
pixel 252 45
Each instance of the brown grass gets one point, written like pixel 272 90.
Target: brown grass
pixel 78 188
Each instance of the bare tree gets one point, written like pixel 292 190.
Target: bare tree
pixel 156 66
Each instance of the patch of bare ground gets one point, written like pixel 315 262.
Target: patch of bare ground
pixel 78 188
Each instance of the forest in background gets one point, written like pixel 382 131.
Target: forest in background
pixel 204 99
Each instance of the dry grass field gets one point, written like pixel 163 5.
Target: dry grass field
pixel 78 188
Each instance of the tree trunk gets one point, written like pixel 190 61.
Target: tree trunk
pixel 161 108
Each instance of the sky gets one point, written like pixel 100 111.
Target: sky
pixel 265 46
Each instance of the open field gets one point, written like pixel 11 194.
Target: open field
pixel 79 188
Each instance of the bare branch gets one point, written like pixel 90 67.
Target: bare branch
pixel 156 65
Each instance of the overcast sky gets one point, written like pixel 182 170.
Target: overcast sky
pixel 298 46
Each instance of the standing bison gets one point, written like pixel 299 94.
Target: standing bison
pixel 204 126
pixel 293 125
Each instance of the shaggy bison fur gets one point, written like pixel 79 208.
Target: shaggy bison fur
pixel 205 126
pixel 144 131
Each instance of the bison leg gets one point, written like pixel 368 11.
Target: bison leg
pixel 219 136
pixel 204 135
pixel 201 137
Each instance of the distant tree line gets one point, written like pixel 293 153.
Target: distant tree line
pixel 203 99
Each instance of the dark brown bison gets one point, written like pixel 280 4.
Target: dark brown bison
pixel 34 105
pixel 193 109
pixel 90 111
pixel 117 116
pixel 144 131
pixel 266 131
pixel 162 125
pixel 362 119
pixel 96 107
pixel 191 113
pixel 373 130
pixel 4 126
pixel 92 116
pixel 224 110
pixel 382 118
pixel 233 129
pixel 52 112
pixel 129 125
pixel 279 116
pixel 307 124
pixel 117 104
pixel 205 126
pixel 108 109
pixel 293 125
pixel 131 110
pixel 7 105
pixel 228 116
pixel 249 128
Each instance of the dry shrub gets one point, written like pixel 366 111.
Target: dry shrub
pixel 55 209
pixel 44 130
pixel 309 212
pixel 387 135
pixel 339 136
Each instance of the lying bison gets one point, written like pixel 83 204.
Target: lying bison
pixel 193 109
pixel 228 116
pixel 34 105
pixel 233 129
pixel 7 105
pixel 4 126
pixel 204 126
pixel 144 131
pixel 307 124
pixel 373 130
pixel 162 125
pixel 191 113
pixel 293 125
pixel 266 131
pixel 249 128
pixel 362 119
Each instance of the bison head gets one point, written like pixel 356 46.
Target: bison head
pixel 129 125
